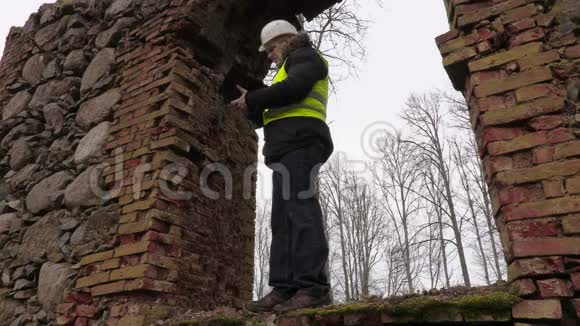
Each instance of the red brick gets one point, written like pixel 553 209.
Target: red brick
pixel 88 311
pixel 572 52
pixel 491 103
pixel 536 267
pixel 571 224
pixel 519 14
pixel 543 154
pixel 525 287
pixel 560 135
pixel 482 76
pixel 545 20
pixel 443 38
pixel 517 144
pixel 553 188
pixel 567 150
pixel 576 281
pixel 498 164
pixel 573 185
pixel 521 25
pixel 533 229
pixel 546 247
pixel 555 288
pixel 576 305
pixel 65 308
pixel 546 122
pixel 538 309
pixel 527 36
pixel 78 298
pixel 494 134
pixel 81 321
pixel 484 47
pixel 516 195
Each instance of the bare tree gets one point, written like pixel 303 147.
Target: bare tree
pixel 364 225
pixel 425 115
pixel 398 180
pixel 332 188
pixel 263 236
pixel 461 120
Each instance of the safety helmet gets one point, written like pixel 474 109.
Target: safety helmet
pixel 274 29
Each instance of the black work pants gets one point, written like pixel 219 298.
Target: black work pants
pixel 299 249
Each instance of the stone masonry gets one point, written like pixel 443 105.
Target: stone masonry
pixel 517 62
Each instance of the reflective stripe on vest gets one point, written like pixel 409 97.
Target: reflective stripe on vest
pixel 314 105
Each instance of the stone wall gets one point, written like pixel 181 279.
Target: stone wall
pixel 118 153
pixel 517 63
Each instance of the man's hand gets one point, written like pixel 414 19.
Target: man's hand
pixel 240 104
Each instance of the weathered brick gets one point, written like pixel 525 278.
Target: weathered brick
pixel 521 13
pixel 573 185
pixel 497 134
pixel 560 135
pixel 538 309
pixel 496 103
pixel 567 150
pixel 571 224
pixel 555 288
pixel 109 288
pixel 539 59
pixel 572 52
pixel 152 285
pixel 533 92
pixel 88 311
pixel 96 257
pixel 514 195
pixel 133 248
pixel 546 247
pixel 443 38
pixel 524 287
pixel 489 12
pixel 499 59
pixel 535 267
pixel 468 40
pixel 109 264
pixel 523 111
pixel 131 272
pixel 546 122
pixel 539 173
pixel 533 229
pixel 517 144
pixel 513 82
pixel 160 261
pixel 553 188
pixel 576 281
pixel 458 56
pixel 527 36
pixel 521 25
pixel 543 155
pixel 94 279
pixel 497 164
pixel 132 321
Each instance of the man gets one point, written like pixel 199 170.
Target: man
pixel 297 142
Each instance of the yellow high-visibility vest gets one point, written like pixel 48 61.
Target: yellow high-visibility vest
pixel 314 105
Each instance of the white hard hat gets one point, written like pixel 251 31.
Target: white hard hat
pixel 274 29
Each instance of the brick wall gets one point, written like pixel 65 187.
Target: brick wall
pixel 517 64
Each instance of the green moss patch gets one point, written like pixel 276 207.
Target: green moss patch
pixel 427 307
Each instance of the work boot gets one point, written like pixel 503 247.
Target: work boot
pixel 267 303
pixel 303 300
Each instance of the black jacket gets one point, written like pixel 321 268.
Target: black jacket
pixel 304 67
